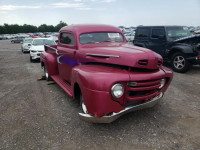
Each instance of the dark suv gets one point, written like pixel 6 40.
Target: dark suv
pixel 174 43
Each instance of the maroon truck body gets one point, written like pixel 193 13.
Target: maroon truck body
pixel 91 70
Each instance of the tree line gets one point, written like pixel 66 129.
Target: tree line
pixel 15 28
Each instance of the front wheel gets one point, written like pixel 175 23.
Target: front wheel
pixel 180 63
pixel 83 106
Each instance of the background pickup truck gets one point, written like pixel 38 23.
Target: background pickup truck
pixel 174 43
pixel 93 64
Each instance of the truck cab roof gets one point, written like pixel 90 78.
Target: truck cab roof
pixel 87 28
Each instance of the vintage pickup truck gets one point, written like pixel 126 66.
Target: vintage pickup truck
pixel 93 64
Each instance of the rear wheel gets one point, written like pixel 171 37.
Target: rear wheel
pixel 180 63
pixel 46 74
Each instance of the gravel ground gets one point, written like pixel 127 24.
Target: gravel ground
pixel 34 115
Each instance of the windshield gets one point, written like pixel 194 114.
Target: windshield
pixel 177 32
pixel 88 38
pixel 28 40
pixel 43 42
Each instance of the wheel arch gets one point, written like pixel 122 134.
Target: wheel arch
pixel 173 51
pixel 76 91
pixel 183 48
pixel 42 64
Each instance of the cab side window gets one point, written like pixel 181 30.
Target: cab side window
pixel 142 32
pixel 157 33
pixel 67 38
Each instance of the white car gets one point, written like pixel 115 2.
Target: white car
pixel 26 44
pixel 37 47
pixel 54 37
pixel 129 37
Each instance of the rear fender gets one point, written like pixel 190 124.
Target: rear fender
pixel 50 62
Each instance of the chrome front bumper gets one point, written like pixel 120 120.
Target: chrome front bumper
pixel 114 116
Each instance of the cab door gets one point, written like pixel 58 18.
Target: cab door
pixel 157 41
pixel 66 51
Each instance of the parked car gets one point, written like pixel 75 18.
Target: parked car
pixel 17 40
pixel 129 36
pixel 93 64
pixel 174 43
pixel 26 44
pixel 37 47
pixel 197 32
pixel 54 37
pixel 3 37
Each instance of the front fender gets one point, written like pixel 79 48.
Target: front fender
pixel 95 83
pixel 185 48
pixel 100 78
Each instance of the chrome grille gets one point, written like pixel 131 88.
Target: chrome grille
pixel 142 90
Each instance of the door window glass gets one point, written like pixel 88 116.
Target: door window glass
pixel 142 32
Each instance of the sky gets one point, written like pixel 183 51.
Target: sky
pixel 113 12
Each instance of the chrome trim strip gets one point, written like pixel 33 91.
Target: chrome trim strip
pixel 114 116
pixel 101 55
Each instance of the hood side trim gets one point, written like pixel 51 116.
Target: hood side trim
pixel 101 55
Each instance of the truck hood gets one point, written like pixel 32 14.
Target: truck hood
pixel 188 38
pixel 121 54
pixel 37 47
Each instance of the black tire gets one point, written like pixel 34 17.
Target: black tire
pixel 31 60
pixel 82 104
pixel 180 63
pixel 46 74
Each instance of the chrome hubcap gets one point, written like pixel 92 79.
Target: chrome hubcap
pixel 179 62
pixel 46 73
pixel 84 108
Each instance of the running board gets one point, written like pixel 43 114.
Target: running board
pixel 66 87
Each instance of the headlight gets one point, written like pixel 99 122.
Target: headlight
pixel 162 83
pixel 117 90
